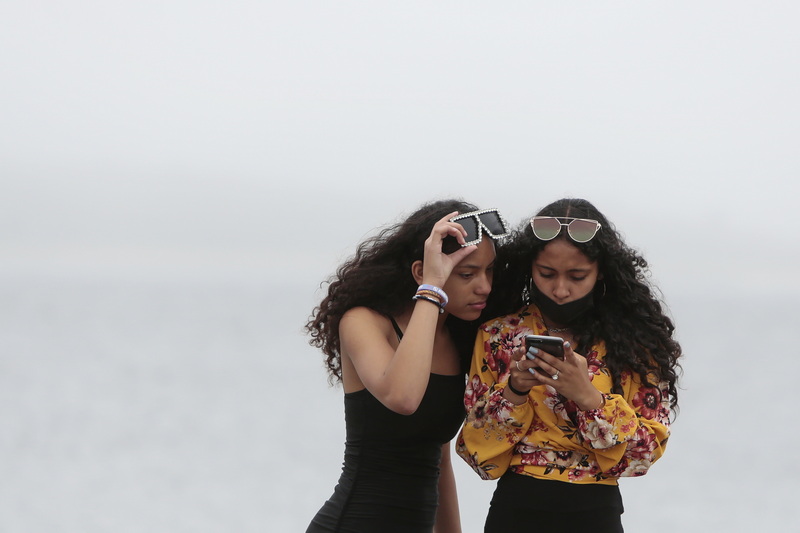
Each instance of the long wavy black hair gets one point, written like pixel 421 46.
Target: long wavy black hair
pixel 379 276
pixel 627 313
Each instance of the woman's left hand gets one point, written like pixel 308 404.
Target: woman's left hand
pixel 569 377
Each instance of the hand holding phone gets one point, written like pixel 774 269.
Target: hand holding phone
pixel 552 345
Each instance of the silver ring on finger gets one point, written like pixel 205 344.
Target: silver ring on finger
pixel 517 363
pixel 555 376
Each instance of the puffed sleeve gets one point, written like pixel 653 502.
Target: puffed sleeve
pixel 628 433
pixel 494 425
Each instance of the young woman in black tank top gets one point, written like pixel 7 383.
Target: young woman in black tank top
pixel 397 327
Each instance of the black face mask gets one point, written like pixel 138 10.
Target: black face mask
pixel 566 313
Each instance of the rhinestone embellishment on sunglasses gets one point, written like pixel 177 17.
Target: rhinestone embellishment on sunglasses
pixel 488 220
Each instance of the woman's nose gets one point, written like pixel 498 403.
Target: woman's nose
pixel 484 285
pixel 560 290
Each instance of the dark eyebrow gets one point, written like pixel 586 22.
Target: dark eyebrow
pixel 473 266
pixel 581 270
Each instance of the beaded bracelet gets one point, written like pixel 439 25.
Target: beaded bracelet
pixel 431 294
pixel 515 391
pixel 435 289
pixel 435 302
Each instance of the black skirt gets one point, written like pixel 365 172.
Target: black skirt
pixel 525 503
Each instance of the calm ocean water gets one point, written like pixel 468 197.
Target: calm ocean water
pixel 199 407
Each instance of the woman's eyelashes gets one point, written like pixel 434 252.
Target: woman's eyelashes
pixel 548 275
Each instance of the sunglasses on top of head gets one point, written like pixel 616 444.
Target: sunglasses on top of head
pixel 476 222
pixel 579 229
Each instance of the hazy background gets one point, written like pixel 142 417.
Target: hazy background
pixel 177 178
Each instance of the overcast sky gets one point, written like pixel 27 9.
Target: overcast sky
pixel 248 137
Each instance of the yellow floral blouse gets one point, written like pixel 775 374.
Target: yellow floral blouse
pixel 548 437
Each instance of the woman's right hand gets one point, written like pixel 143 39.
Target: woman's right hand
pixel 437 265
pixel 520 376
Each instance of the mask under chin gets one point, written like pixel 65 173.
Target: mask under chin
pixel 567 313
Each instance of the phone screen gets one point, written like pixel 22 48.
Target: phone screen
pixel 551 345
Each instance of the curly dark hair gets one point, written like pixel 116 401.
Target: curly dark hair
pixel 627 313
pixel 379 276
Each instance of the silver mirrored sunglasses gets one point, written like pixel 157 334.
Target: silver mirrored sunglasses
pixel 579 229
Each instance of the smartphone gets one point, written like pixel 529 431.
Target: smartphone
pixel 551 345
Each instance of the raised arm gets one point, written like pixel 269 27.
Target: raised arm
pixel 397 375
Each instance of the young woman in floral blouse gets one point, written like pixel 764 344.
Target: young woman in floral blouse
pixel 559 433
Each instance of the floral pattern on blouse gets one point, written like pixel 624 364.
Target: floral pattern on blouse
pixel 549 436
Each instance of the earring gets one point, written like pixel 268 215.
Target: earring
pixel 527 292
pixel 604 288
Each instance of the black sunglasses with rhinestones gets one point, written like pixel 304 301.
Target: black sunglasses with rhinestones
pixel 476 223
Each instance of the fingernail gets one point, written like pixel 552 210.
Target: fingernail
pixel 566 344
pixel 531 352
pixel 531 371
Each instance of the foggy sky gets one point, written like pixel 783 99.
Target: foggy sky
pixel 246 137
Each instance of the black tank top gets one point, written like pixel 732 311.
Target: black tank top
pixel 389 481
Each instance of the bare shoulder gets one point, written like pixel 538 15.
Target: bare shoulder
pixel 365 337
pixel 364 317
